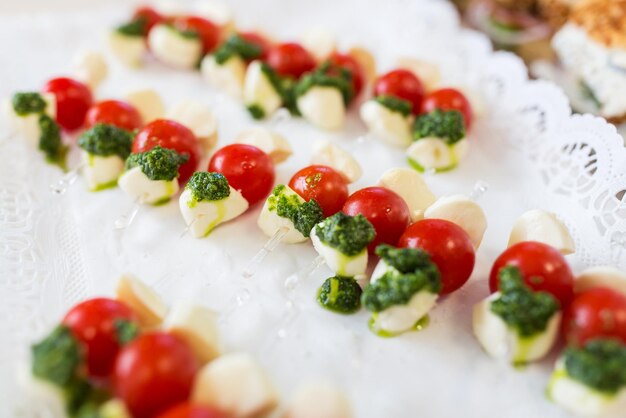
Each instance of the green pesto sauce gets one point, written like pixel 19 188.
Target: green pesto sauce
pixel 340 295
pixel 447 125
pixel 327 75
pixel 236 45
pixel 418 167
pixel 256 111
pixel 105 140
pixel 50 141
pixel 347 234
pixel 524 311
pixel 421 324
pixel 158 163
pixel 600 365
pixel 134 28
pixel 28 103
pixel 105 186
pixel 205 186
pixel 221 212
pixel 303 215
pixel 395 104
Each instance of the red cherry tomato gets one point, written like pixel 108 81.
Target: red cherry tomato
pixel 290 59
pixel 386 211
pixel 208 31
pixel 172 135
pixel 187 410
pixel 543 268
pixel 114 112
pixel 153 373
pixel 247 169
pixel 449 246
pixel 93 323
pixel 596 313
pixel 148 15
pixel 322 183
pixel 349 63
pixel 449 99
pixel 402 84
pixel 73 101
pixel 257 40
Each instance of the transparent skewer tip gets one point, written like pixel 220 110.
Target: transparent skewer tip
pixel 69 178
pixel 124 221
pixel 270 245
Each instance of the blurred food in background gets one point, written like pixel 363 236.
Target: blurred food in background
pixel 578 44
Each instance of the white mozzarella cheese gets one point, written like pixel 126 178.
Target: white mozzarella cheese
pixel 409 185
pixel 258 91
pixel 144 301
pixel 129 50
pixel 578 399
pixel 462 211
pixel 113 408
pixel 27 127
pixel 323 107
pixel 228 76
pixel 197 326
pixel 319 400
pixel 199 119
pixel 270 222
pixel 385 124
pixel 400 318
pixel 138 186
pixel 272 143
pixel 91 68
pixel 541 226
pixel 331 155
pixel 172 48
pixel 503 342
pixel 203 216
pixel 148 103
pixel 602 276
pixel 341 264
pixel 427 73
pixel 43 393
pixel 101 172
pixel 319 42
pixel 236 385
pixel 434 154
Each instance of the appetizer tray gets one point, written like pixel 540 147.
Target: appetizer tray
pixel 57 250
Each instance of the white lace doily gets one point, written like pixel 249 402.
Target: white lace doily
pixel 55 251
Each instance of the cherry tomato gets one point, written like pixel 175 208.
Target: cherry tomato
pixel 93 323
pixel 148 15
pixel 449 99
pixel 386 211
pixel 247 169
pixel 402 84
pixel 257 40
pixel 449 246
pixel 543 268
pixel 596 313
pixel 349 63
pixel 153 373
pixel 187 410
pixel 322 183
pixel 114 112
pixel 290 59
pixel 208 31
pixel 73 101
pixel 172 135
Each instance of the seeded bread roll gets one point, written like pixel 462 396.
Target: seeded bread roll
pixel 603 20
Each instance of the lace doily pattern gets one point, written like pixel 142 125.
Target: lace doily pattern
pixel 528 146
